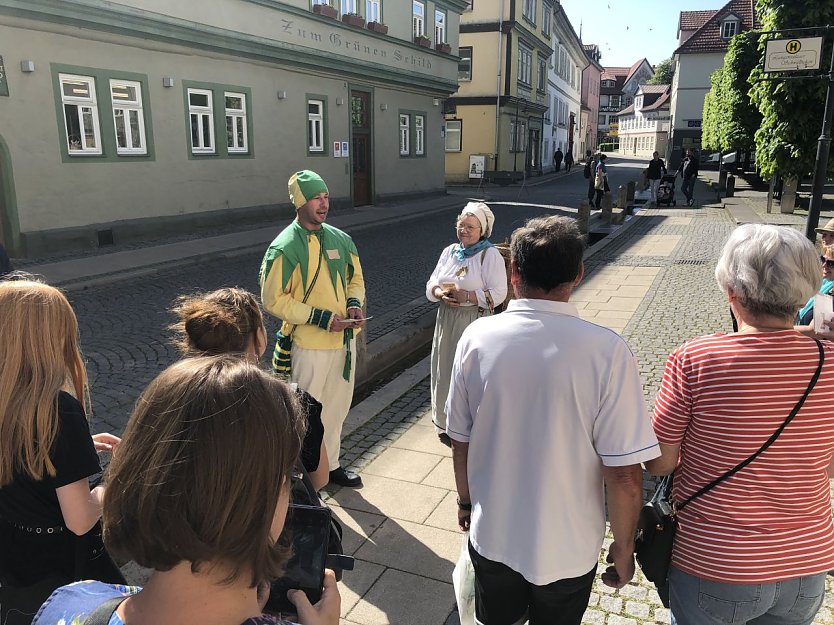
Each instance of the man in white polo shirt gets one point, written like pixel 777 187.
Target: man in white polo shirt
pixel 545 412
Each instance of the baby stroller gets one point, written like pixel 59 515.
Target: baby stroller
pixel 666 190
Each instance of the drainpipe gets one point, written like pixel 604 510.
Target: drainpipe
pixel 498 84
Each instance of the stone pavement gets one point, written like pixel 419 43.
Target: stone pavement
pixel 653 282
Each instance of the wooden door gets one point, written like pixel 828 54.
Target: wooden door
pixel 360 118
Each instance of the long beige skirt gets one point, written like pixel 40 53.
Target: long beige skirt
pixel 450 324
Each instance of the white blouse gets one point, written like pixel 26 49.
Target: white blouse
pixel 485 271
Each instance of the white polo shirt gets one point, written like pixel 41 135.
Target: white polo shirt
pixel 544 400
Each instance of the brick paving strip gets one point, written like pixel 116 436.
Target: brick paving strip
pixel 655 285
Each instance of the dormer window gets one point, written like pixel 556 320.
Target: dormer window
pixel 638 102
pixel 729 27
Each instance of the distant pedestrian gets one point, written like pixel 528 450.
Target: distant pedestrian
pixel 557 159
pixel 469 281
pixel 5 263
pixel 656 170
pixel 568 160
pixel 827 232
pixel 545 410
pixel 311 279
pixel 601 180
pixel 689 174
pixel 590 168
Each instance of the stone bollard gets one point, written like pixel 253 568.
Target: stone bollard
pixel 583 216
pixel 722 179
pixel 618 218
pixel 788 201
pixel 731 186
pixel 606 207
pixel 622 194
pixel 630 191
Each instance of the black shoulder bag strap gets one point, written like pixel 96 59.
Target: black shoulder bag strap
pixel 769 441
pixel 103 613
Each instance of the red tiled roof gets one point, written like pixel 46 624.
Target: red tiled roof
pixel 693 20
pixel 612 73
pixel 707 38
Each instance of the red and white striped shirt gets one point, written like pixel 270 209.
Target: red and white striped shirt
pixel 721 398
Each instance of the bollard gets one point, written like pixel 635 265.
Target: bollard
pixel 618 218
pixel 722 179
pixel 630 191
pixel 584 216
pixel 788 201
pixel 731 186
pixel 606 207
pixel 622 194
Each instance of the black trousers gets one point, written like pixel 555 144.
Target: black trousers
pixel 504 597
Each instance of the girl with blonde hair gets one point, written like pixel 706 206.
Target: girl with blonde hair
pixel 49 518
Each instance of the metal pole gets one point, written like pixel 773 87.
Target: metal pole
pixel 515 139
pixel 823 147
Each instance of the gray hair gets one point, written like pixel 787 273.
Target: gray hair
pixel 772 269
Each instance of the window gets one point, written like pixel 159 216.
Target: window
pixel 372 11
pixel 465 64
pixel 315 126
pixel 518 136
pixel 439 27
pixel 128 120
pixel 529 10
pixel 525 63
pixel 405 130
pixel 542 75
pixel 418 18
pixel 615 101
pixel 454 135
pixel 201 117
pixel 78 95
pixel 546 13
pixel 609 83
pixel 602 120
pixel 236 140
pixel 419 135
pixel 729 28
pixel 347 7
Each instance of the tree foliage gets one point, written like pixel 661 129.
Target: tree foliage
pixel 663 73
pixel 730 119
pixel 791 110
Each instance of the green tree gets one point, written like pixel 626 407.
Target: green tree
pixel 711 119
pixel 663 73
pixel 792 110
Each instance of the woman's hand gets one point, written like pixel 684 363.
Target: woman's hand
pixel 327 609
pixel 106 442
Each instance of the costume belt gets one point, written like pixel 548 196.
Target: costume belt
pixel 31 529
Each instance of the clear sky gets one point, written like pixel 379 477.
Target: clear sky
pixel 628 30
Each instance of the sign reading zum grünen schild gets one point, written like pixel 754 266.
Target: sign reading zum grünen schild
pixel 793 55
pixel 4 84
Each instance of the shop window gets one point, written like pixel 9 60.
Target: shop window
pixel 78 95
pixel 128 117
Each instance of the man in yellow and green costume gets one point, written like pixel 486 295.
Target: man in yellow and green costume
pixel 311 279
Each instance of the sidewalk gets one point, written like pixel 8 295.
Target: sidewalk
pixel 653 282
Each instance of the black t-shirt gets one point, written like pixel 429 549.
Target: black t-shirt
pixel 655 168
pixel 34 502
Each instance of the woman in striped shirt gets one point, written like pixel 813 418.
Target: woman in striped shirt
pixel 755 548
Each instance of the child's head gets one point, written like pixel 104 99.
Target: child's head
pixel 223 321
pixel 40 356
pixel 203 462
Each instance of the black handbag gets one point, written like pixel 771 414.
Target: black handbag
pixel 657 522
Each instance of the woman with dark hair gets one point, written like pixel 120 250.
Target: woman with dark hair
pixel 199 493
pixel 756 547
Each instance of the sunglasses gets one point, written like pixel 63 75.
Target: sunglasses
pixel 827 262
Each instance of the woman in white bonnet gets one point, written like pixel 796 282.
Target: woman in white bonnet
pixel 469 281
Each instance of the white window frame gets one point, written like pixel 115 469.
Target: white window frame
pixel 467 57
pixel 546 11
pixel 525 65
pixel 454 132
pixel 529 10
pixel 80 103
pixel 201 113
pixel 373 11
pixel 727 25
pixel 405 134
pixel 418 18
pixel 237 115
pixel 439 26
pixel 518 136
pixel 126 107
pixel 315 126
pixel 348 7
pixel 419 135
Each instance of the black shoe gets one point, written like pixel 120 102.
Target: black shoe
pixel 341 477
pixel 444 438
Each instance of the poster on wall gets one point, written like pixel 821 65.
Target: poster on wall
pixel 477 164
pixel 345 149
pixel 337 149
